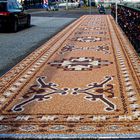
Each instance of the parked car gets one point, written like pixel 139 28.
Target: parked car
pixel 12 15
pixel 51 7
pixel 70 5
pixel 101 9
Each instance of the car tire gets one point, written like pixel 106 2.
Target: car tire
pixel 15 26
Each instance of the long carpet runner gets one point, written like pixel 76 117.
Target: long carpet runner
pixel 82 83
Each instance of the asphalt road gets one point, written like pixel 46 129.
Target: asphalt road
pixel 70 13
pixel 16 46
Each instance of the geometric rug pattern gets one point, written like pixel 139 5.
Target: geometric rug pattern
pixel 83 83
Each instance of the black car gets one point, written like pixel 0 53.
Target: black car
pixel 12 15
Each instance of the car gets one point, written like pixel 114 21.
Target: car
pixel 69 4
pixel 101 9
pixel 51 7
pixel 12 15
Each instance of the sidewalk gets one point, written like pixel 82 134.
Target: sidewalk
pixel 82 83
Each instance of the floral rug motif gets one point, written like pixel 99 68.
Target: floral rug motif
pixel 83 83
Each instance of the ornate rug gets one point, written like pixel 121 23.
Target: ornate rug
pixel 82 83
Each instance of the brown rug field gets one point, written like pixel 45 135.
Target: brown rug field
pixel 82 83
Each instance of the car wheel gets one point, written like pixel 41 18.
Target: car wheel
pixel 15 26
